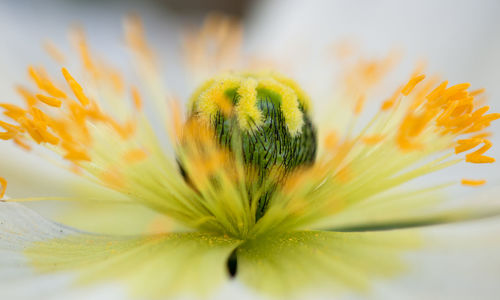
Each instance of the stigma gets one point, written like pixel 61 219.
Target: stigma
pixel 263 116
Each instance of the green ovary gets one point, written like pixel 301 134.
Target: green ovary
pixel 268 125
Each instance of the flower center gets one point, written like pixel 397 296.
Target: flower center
pixel 263 116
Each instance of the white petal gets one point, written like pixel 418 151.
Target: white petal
pixel 150 266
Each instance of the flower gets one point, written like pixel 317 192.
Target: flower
pixel 250 187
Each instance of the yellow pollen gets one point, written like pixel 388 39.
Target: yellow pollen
pixel 373 139
pixel 7 135
pixel 247 111
pixel 136 97
pixel 55 53
pixel 437 92
pixel 75 87
pixel 456 89
pixel 135 155
pixel 220 93
pixel 81 44
pixel 135 37
pixel 301 94
pixel 49 100
pixel 472 182
pixel 477 156
pixel 477 92
pixel 289 104
pixel 19 142
pixel 10 127
pixel 28 97
pixel 3 187
pixel 112 177
pixel 360 103
pixel 389 103
pixel 331 140
pixel 214 98
pixel 467 144
pixel 76 155
pixel 411 84
pixel 44 83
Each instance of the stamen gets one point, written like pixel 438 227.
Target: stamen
pixel 373 139
pixel 360 103
pixel 55 53
pixel 44 83
pixel 76 155
pixel 477 156
pixel 477 92
pixel 9 127
pixel 411 84
pixel 389 103
pixel 49 100
pixel 135 37
pixel 437 92
pixel 113 178
pixel 27 95
pixel 3 187
pixel 331 140
pixel 136 97
pixel 75 87
pixel 464 145
pixel 472 182
pixel 7 135
pixel 135 155
pixel 19 142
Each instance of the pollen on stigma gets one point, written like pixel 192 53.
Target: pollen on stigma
pixel 266 116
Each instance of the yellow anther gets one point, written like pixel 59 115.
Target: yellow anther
pixel 437 92
pixel 477 92
pixel 411 84
pixel 465 145
pixel 331 140
pixel 27 96
pixel 360 104
pixel 44 83
pixel 54 52
pixel 7 135
pixel 76 155
pixel 9 127
pixel 477 156
pixel 389 103
pixel 373 139
pixel 3 187
pixel 473 182
pixel 113 177
pixel 135 155
pixel 49 100
pixel 136 98
pixel 456 89
pixel 75 87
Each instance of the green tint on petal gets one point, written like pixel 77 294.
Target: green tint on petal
pixel 290 263
pixel 115 218
pixel 155 266
pixel 438 218
pixel 405 210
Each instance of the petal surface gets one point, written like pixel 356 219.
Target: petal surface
pixel 293 263
pixel 150 266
